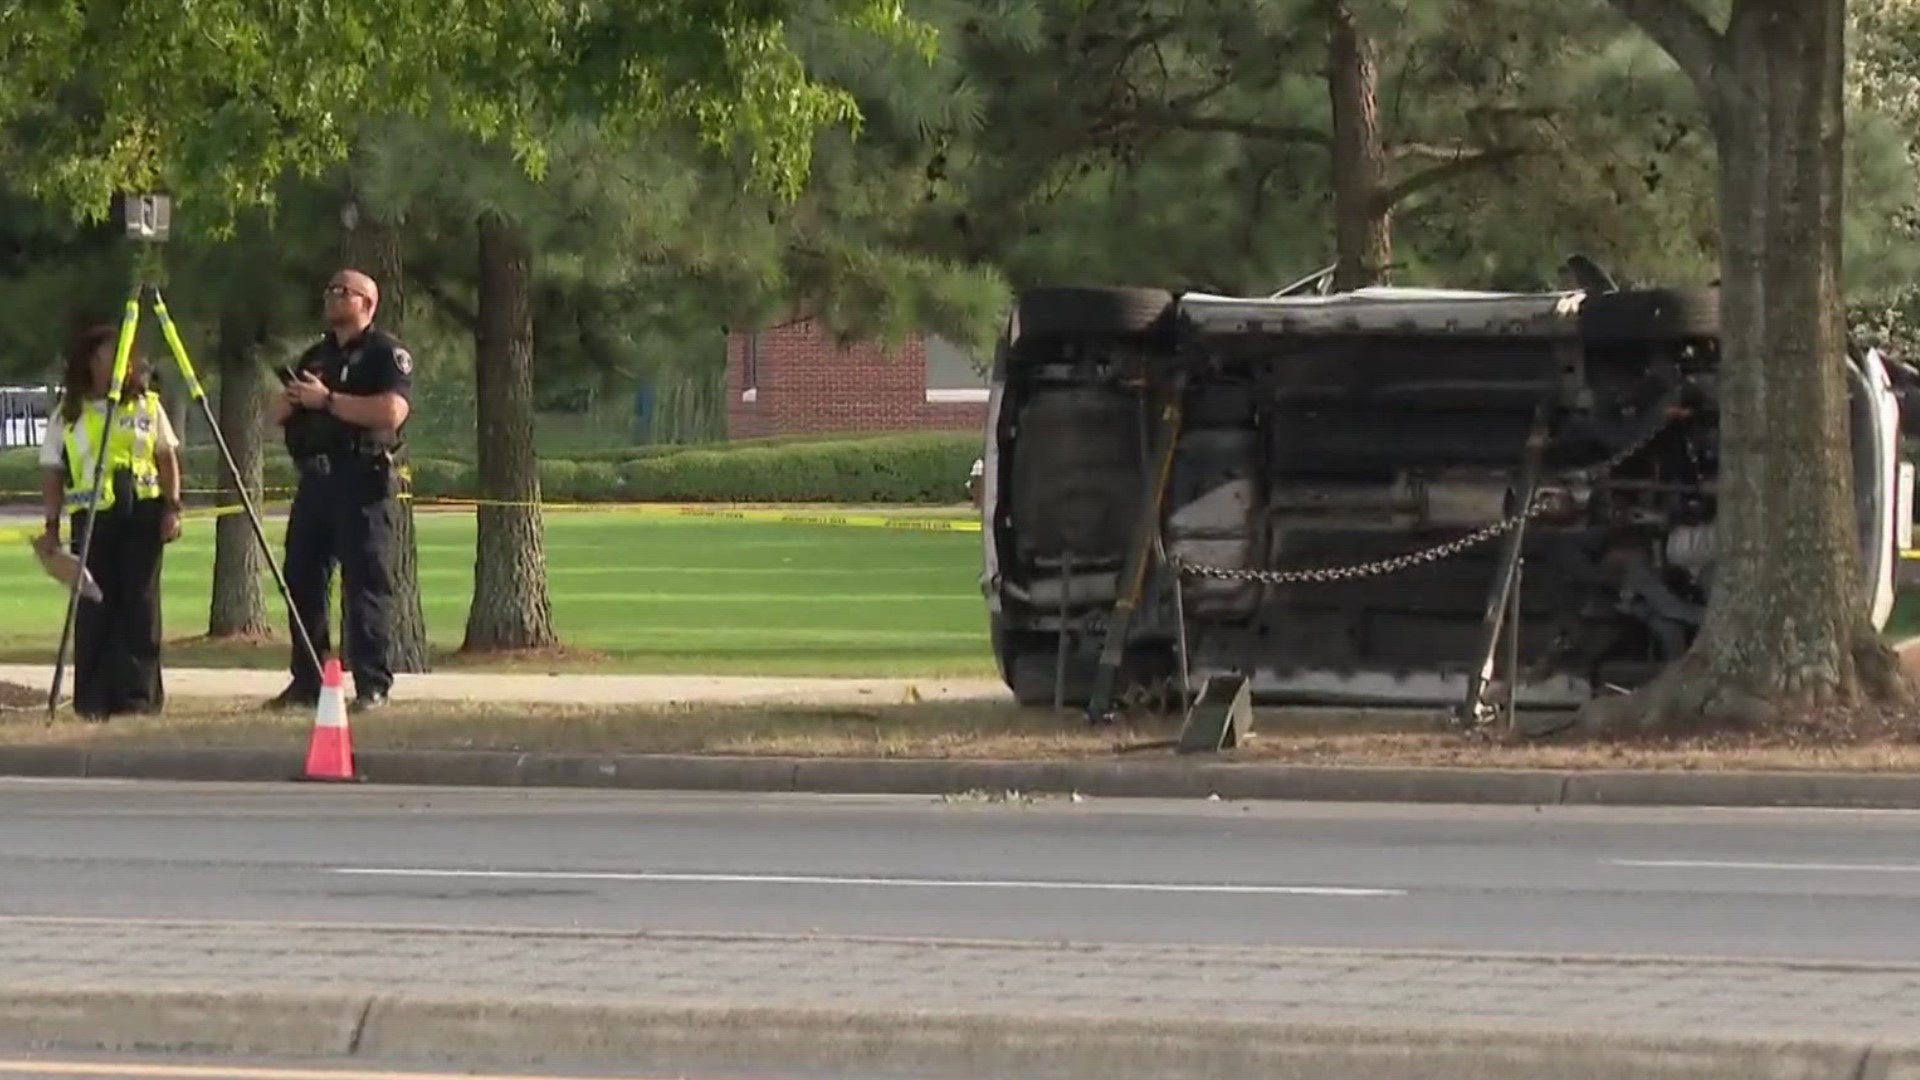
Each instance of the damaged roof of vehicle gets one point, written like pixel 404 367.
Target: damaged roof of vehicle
pixel 1389 310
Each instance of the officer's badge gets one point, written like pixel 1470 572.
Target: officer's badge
pixel 404 360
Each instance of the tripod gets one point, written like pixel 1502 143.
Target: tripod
pixel 147 220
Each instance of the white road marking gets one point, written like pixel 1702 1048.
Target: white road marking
pixel 1787 867
pixel 878 882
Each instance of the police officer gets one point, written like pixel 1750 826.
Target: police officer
pixel 116 638
pixel 343 413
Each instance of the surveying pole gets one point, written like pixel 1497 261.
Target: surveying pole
pixel 148 219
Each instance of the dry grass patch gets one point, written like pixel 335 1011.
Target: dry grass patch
pixel 13 697
pixel 925 730
pixel 979 731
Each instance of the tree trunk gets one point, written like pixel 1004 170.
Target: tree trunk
pixel 1787 625
pixel 374 246
pixel 511 608
pixel 237 610
pixel 1363 229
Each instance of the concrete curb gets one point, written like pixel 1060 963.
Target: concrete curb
pixel 655 1040
pixel 1100 779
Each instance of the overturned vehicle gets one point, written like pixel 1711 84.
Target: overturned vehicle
pixel 1387 497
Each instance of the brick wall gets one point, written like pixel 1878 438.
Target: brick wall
pixel 804 383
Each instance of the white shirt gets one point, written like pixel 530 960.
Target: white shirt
pixel 54 444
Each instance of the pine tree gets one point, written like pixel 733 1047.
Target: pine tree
pixel 1786 627
pixel 374 243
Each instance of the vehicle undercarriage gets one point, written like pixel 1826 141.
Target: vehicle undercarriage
pixel 1361 499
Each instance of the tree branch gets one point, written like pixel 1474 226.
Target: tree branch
pixel 1246 129
pixel 449 305
pixel 1432 151
pixel 1461 165
pixel 1681 31
pixel 1184 106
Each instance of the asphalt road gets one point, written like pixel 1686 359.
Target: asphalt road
pixel 1825 885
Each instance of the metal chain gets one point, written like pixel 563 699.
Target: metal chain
pixel 1397 563
pixel 1379 568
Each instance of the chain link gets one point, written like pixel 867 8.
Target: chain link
pixel 1542 502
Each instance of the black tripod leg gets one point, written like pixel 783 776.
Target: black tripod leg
pixel 123 350
pixel 199 394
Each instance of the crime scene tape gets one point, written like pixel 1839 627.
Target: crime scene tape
pixel 767 515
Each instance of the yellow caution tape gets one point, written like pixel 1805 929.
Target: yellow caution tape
pixel 762 514
pixel 794 517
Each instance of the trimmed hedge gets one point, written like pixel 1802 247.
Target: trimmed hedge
pixel 620 455
pixel 917 468
pixel 897 469
pixel 930 468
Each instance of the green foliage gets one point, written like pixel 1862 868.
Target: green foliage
pixel 924 469
pixel 646 241
pixel 1630 185
pixel 1158 141
pixel 623 454
pixel 219 100
pixel 928 468
pixel 1131 140
pixel 850 262
pixel 556 477
pixel 441 478
pixel 51 275
pixel 1883 158
pixel 596 481
pixel 20 472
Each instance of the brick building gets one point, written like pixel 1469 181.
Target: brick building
pixel 794 379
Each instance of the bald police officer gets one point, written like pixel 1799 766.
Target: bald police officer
pixel 343 415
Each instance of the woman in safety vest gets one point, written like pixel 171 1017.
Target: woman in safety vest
pixel 116 654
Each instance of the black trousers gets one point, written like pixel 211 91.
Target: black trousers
pixel 343 515
pixel 116 641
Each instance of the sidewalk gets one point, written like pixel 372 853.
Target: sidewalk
pixel 525 992
pixel 570 689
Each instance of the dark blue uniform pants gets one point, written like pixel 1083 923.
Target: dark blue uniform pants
pixel 343 514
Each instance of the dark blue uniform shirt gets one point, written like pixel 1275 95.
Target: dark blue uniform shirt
pixel 372 363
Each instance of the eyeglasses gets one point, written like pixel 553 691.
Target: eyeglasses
pixel 341 292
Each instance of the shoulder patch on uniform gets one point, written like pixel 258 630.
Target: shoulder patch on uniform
pixel 404 360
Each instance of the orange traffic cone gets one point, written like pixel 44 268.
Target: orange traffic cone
pixel 330 751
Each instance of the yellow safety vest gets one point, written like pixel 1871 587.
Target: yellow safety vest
pixel 136 435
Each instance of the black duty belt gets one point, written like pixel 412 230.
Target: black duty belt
pixel 342 461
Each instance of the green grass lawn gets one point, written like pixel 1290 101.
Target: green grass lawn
pixel 645 594
pixel 1905 620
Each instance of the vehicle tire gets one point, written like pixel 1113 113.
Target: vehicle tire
pixel 1028 665
pixel 1027 661
pixel 1032 676
pixel 1651 315
pixel 1066 311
